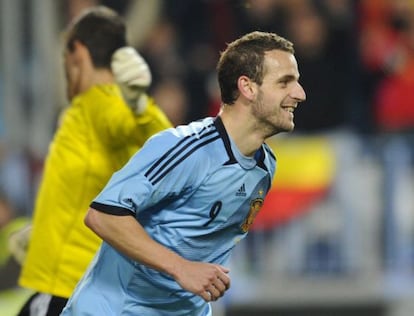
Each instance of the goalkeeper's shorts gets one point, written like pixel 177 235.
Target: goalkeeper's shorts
pixel 40 304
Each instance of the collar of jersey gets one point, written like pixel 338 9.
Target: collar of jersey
pixel 234 153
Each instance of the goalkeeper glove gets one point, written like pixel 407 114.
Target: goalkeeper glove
pixel 18 243
pixel 133 76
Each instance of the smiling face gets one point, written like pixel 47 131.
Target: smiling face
pixel 279 94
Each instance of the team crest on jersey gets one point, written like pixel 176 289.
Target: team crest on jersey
pixel 255 207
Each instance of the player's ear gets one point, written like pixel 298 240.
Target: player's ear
pixel 247 87
pixel 81 53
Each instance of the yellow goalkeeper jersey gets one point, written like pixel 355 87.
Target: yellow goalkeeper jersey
pixel 96 136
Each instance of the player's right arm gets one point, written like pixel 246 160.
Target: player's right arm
pixel 133 76
pixel 125 233
pixel 135 117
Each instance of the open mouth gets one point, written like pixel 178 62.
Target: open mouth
pixel 289 109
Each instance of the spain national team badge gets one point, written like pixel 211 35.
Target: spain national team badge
pixel 255 207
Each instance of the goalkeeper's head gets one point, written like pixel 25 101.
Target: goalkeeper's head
pixel 90 40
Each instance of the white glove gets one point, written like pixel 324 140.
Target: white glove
pixel 133 77
pixel 18 243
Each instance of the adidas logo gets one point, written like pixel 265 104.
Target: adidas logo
pixel 241 191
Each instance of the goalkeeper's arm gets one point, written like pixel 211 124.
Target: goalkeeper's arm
pixel 133 76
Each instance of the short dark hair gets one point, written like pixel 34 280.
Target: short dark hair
pixel 245 56
pixel 101 30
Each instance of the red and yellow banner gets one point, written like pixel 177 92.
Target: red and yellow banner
pixel 304 174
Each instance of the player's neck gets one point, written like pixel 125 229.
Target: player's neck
pixel 96 77
pixel 241 130
pixel 102 76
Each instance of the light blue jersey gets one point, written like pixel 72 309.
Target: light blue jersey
pixel 193 192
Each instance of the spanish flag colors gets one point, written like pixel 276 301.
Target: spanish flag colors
pixel 305 172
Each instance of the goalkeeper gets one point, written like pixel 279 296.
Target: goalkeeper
pixel 97 134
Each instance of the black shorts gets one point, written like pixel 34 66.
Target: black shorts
pixel 40 304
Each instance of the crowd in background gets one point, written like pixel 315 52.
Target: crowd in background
pixel 356 59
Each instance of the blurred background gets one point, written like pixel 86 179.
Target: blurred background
pixel 336 234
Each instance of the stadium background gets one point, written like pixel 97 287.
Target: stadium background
pixel 336 235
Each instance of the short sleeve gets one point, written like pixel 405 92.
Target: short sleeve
pixel 160 170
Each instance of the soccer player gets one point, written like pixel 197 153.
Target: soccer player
pixel 97 134
pixel 172 215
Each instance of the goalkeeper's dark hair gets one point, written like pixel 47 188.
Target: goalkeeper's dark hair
pixel 101 30
pixel 245 56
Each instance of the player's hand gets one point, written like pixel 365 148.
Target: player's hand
pixel 133 77
pixel 18 243
pixel 210 281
